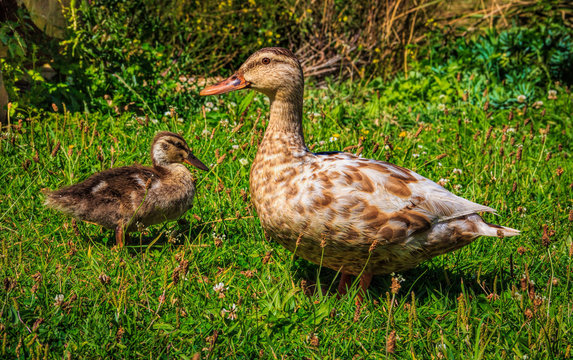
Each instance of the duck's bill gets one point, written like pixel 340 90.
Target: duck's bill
pixel 235 82
pixel 193 161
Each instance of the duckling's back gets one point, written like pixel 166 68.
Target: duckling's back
pixel 108 198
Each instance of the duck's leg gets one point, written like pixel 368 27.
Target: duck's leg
pixel 365 280
pixel 120 236
pixel 344 284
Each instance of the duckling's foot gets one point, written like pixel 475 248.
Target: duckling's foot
pixel 365 280
pixel 121 236
pixel 344 284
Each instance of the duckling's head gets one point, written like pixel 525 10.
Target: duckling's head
pixel 271 71
pixel 169 148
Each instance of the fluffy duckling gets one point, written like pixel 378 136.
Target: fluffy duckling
pixel 360 216
pixel 127 197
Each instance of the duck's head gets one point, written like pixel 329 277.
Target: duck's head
pixel 271 71
pixel 169 148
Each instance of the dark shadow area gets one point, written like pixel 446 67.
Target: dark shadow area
pixel 423 280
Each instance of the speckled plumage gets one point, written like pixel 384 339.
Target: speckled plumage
pixel 126 198
pixel 336 209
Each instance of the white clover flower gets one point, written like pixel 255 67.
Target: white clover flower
pixel 441 107
pixel 59 298
pixel 243 161
pixel 457 171
pixel 209 105
pixel 220 287
pixel 154 121
pixel 538 104
pixel 224 122
pixel 235 147
pixel 552 94
pixel 521 98
pixel 321 142
pixel 167 113
pixel 440 164
pixel 231 313
pixel 205 133
pixel 443 182
pixel 416 155
pixel 457 187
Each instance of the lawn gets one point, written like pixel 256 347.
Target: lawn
pixel 211 285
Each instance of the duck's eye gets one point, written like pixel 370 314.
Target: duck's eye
pixel 266 61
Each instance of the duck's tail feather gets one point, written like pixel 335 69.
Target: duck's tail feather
pixel 487 229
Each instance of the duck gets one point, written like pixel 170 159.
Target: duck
pixel 360 217
pixel 128 198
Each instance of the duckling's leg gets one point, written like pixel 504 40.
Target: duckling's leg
pixel 344 284
pixel 365 280
pixel 120 236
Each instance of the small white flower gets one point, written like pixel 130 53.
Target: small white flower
pixel 224 123
pixel 420 147
pixel 243 161
pixel 440 164
pixel 538 104
pixel 333 139
pixel 205 133
pixel 209 105
pixel 386 147
pixel 155 121
pixel 220 287
pixel 416 155
pixel 511 130
pixel 321 142
pixel 457 187
pixel 457 171
pixel 521 98
pixel 231 313
pixel 441 107
pixel 235 147
pixel 59 298
pixel 552 94
pixel 443 182
pixel 167 113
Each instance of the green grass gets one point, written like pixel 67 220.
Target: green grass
pixel 67 292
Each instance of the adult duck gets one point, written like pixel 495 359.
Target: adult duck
pixel 353 215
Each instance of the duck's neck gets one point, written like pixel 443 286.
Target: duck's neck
pixel 285 121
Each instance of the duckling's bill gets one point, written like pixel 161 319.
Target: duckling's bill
pixel 193 161
pixel 235 82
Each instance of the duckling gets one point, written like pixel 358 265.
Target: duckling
pixel 125 198
pixel 351 214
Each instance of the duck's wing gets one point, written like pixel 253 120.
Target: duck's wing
pixel 393 188
pixel 389 201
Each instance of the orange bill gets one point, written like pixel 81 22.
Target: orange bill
pixel 193 161
pixel 235 82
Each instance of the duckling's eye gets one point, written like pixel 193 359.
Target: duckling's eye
pixel 266 61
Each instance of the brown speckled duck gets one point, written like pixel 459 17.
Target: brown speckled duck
pixel 353 215
pixel 128 197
